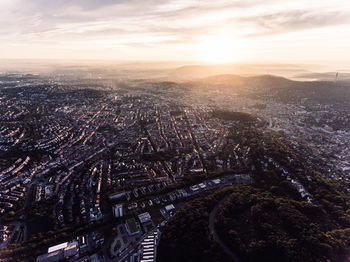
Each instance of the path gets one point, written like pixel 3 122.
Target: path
pixel 212 216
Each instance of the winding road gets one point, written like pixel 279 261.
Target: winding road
pixel 212 216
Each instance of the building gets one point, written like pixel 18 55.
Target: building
pixel 169 208
pixel 216 181
pixel 118 210
pixel 145 218
pixel 51 257
pixel 59 252
pixel 70 251
pixel 149 247
pixel 57 247
pixel 83 246
pixel 117 196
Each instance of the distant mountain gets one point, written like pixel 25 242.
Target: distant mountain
pixel 245 85
pixel 261 81
pixel 282 89
pixel 328 76
pixel 199 71
pixel 189 72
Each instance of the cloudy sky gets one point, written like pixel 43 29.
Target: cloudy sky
pixel 281 31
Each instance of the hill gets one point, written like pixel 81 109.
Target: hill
pixel 289 213
pixel 255 225
pixel 251 82
pixel 190 72
pixel 279 88
pixel 328 76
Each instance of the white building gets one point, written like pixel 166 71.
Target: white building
pixel 118 210
pixel 144 217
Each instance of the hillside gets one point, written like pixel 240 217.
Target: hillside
pixel 279 88
pixel 289 213
pixel 256 225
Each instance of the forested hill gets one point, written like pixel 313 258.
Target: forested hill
pixel 291 212
pixel 278 88
pixel 257 225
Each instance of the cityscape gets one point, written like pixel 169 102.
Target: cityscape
pixel 103 166
pixel 174 131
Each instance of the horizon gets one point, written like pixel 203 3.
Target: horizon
pixel 172 70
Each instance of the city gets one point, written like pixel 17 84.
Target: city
pixel 174 130
pixel 102 167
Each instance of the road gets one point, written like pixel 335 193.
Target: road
pixel 212 216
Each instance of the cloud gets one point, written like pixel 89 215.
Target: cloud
pixel 185 18
pixel 83 4
pixel 285 22
pixel 83 24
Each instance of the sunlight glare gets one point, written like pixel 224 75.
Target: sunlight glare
pixel 220 49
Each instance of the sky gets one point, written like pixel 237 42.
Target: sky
pixel 220 31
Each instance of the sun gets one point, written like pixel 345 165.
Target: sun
pixel 220 49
